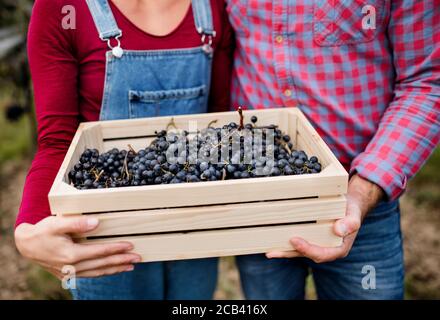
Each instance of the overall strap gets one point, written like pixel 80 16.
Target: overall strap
pixel 104 20
pixel 203 17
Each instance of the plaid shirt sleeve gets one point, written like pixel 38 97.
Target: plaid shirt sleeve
pixel 409 129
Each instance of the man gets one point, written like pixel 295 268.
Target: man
pixel 367 75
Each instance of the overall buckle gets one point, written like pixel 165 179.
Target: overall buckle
pixel 117 51
pixel 207 42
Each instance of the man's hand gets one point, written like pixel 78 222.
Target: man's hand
pixel 362 196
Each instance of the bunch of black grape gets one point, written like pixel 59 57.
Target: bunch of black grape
pixel 206 155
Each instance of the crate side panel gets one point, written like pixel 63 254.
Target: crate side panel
pixel 136 143
pixel 222 216
pixel 307 142
pixel 217 243
pixel 311 142
pixel 77 146
pixel 292 126
pixel 148 126
pixel 93 138
pixel 201 193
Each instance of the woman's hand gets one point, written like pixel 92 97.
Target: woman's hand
pixel 49 244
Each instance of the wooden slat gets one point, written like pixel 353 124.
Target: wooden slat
pixel 93 137
pixel 292 127
pixel 310 141
pixel 222 216
pixel 137 144
pixel 72 156
pixel 201 193
pixel 217 243
pixel 282 121
pixel 148 126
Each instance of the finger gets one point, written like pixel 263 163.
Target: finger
pixel 110 261
pixel 283 254
pixel 350 223
pixel 105 271
pixel 316 253
pixel 347 226
pixel 80 252
pixel 67 225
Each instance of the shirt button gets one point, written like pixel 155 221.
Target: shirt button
pixel 279 39
pixel 288 93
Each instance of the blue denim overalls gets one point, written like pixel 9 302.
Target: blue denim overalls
pixel 147 84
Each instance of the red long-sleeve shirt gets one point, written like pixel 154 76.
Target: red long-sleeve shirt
pixel 68 68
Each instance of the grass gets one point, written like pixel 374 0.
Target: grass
pixel 44 286
pixel 425 187
pixel 15 137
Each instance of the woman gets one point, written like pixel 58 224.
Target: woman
pixel 118 59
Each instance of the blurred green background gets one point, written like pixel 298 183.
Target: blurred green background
pixel 22 280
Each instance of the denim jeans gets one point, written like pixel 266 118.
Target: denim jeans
pixel 171 280
pixel 373 269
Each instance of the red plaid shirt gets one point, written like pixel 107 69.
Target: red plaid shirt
pixel 372 94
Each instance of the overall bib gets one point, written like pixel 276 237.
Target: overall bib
pixel 147 84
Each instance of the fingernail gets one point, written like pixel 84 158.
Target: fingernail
pixel 295 243
pixel 342 229
pixel 130 268
pixel 129 246
pixel 136 260
pixel 92 222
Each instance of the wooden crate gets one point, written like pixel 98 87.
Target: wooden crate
pixel 216 218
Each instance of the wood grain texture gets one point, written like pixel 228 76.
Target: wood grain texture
pixel 148 126
pixel 136 143
pixel 88 135
pixel 309 140
pixel 221 216
pixel 202 193
pixel 203 244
